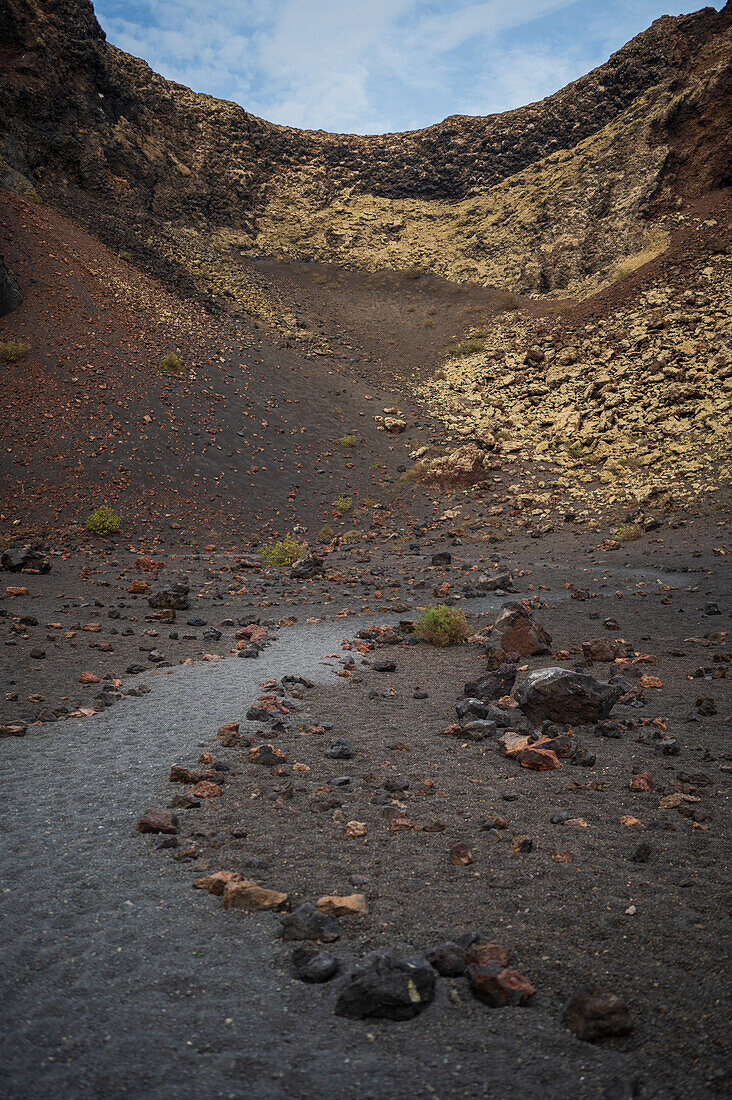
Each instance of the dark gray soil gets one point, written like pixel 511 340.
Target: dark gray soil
pixel 122 980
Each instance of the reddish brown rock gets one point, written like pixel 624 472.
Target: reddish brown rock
pixel 641 781
pixel 207 789
pixel 157 821
pixel 538 760
pixel 217 882
pixel 148 565
pixel 343 906
pixel 88 678
pixel 179 774
pixel 496 985
pixel 517 631
pixel 600 649
pixel 228 734
pixel 251 897
pixel 479 953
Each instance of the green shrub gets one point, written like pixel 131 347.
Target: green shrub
pixel 348 440
pixel 104 521
pixel 11 352
pixel 343 505
pixel 442 626
pixel 285 552
pixel 471 346
pixel 628 532
pixel 325 534
pixel 353 535
pixel 171 363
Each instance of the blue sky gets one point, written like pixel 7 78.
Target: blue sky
pixel 375 66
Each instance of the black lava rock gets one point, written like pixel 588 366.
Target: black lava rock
pixel 313 964
pixel 340 749
pixel 567 696
pixel 386 985
pixel 307 923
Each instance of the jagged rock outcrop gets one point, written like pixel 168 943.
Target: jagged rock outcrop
pixel 567 181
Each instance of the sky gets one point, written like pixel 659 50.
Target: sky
pixel 376 66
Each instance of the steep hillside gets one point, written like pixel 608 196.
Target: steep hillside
pixel 543 199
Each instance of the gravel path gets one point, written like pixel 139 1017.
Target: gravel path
pixel 122 981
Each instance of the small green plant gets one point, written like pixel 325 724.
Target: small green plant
pixel 471 346
pixel 171 363
pixel 628 532
pixel 442 626
pixel 285 552
pixel 325 534
pixel 352 535
pixel 11 352
pixel 348 440
pixel 104 521
pixel 343 505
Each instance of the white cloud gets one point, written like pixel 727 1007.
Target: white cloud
pixel 372 65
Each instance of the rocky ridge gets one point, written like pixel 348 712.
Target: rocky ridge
pixel 568 182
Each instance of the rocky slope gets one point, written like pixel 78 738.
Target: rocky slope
pixel 547 198
pixel 628 401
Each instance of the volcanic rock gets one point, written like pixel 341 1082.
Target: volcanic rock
pixel 517 631
pixel 307 923
pixel 173 598
pixel 313 964
pixel 459 469
pixel 389 986
pixel 592 1014
pixel 496 985
pixel 157 821
pixel 249 896
pixel 566 696
pixel 344 906
pixel 307 567
pixel 16 558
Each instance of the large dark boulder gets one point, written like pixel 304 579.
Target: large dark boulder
pixel 307 567
pixel 565 696
pixel 173 598
pixel 17 558
pixel 385 984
